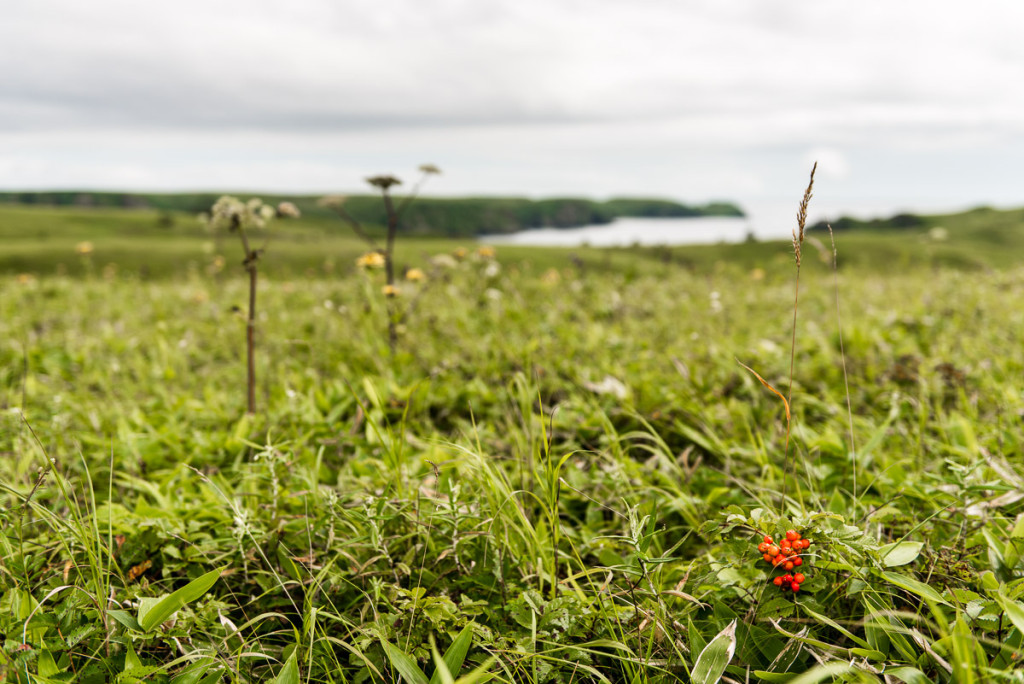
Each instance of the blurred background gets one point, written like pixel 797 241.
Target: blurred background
pixel 907 107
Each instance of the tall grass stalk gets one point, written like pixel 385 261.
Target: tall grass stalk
pixel 798 241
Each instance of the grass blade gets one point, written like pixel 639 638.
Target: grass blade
pixel 712 661
pixel 456 653
pixel 289 674
pixel 406 666
pixel 171 604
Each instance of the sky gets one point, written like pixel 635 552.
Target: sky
pixel 905 104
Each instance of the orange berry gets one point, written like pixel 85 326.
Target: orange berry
pixel 773 550
pixel 791 535
pixel 778 581
pixel 761 547
pixel 787 578
pixel 767 539
pixel 806 542
pixel 795 586
pixel 788 565
pixel 768 558
pixel 798 561
pixel 785 544
pixel 799 578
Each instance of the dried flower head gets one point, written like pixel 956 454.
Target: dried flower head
pixel 383 182
pixel 443 261
pixel 371 260
pixel 288 210
pixel 332 201
pixel 232 213
pixel 801 216
pixel 415 275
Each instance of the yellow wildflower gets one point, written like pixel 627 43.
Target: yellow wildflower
pixel 486 252
pixel 25 278
pixel 415 275
pixel 460 253
pixel 84 248
pixel 390 291
pixel 371 260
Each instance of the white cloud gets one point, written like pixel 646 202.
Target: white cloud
pixel 715 98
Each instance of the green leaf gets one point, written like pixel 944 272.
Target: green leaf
pixel 46 665
pixel 131 659
pixel 900 553
pixel 406 666
pixel 442 674
pixel 715 657
pixel 456 653
pixel 823 672
pixel 169 605
pixel 836 626
pixel 289 674
pixel 125 619
pixel 914 587
pixel 1013 609
pixel 765 676
pixel 910 675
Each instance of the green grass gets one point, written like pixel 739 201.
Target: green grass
pixel 562 475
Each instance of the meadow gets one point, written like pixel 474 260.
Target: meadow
pixel 563 473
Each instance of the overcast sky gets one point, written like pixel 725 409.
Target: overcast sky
pixel 905 103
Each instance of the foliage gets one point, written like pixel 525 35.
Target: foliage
pixel 562 471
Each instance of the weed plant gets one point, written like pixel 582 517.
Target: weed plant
pixel 560 480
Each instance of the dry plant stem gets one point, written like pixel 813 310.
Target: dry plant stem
pixel 389 266
pixel 798 240
pixel 842 355
pixel 251 257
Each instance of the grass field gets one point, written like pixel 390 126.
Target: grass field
pixel 562 474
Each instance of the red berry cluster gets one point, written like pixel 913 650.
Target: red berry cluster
pixel 787 556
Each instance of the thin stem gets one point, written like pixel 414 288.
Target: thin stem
pixel 389 267
pixel 250 333
pixel 251 257
pixel 798 241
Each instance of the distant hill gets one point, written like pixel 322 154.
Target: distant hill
pixel 458 217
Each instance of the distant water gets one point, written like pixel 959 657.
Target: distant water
pixel 623 232
pixel 765 221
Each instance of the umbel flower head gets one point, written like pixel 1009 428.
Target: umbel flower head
pixel 332 201
pixel 232 213
pixel 383 181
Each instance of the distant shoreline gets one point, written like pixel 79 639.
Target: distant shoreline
pixel 448 217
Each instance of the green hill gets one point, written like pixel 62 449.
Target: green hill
pixel 455 217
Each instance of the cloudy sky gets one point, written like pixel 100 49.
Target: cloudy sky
pixel 912 104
